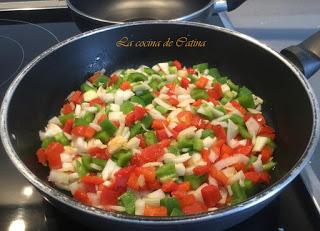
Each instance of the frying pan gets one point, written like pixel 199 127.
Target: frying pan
pixel 97 13
pixel 37 92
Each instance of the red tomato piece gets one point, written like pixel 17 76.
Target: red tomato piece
pixel 53 152
pixel 161 134
pixel 149 173
pixel 185 117
pixel 92 180
pixel 150 154
pixel 266 153
pixel 98 101
pixel 100 153
pixel 113 79
pixel 219 176
pixel 133 182
pixel 125 85
pixel 68 126
pixel 246 150
pixel 159 124
pixel 211 195
pixel 258 177
pixel 237 105
pixel 201 170
pixel 197 103
pixel 205 155
pixel 81 196
pixel 186 200
pixel 142 143
pixel 226 150
pixel 184 186
pixel 108 197
pixel 219 132
pixel 76 97
pixel 169 186
pixel 94 77
pixel 155 211
pixel 177 64
pixel 173 101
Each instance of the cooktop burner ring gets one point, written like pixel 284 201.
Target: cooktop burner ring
pixel 17 42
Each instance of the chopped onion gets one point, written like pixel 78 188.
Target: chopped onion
pixel 180 169
pixel 139 207
pixel 236 177
pixel 231 160
pixel 232 131
pixel 182 158
pixel 159 194
pixel 253 127
pixel 188 132
pixel 163 104
pixel 229 171
pixel 108 169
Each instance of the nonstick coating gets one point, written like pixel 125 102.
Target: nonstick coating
pixel 134 10
pixel 39 91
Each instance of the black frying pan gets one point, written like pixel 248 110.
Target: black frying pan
pixel 96 13
pixel 38 91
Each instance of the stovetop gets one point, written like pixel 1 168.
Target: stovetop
pixel 23 36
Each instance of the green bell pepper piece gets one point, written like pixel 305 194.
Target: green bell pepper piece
pixel 245 98
pixel 81 170
pixel 198 93
pixel 126 107
pixel 243 132
pixel 86 161
pixel 136 129
pixel 166 171
pixel 89 117
pixel 109 127
pixel 61 138
pixel 99 162
pixel 136 77
pixel 195 181
pixel 146 96
pixel 201 67
pixel 249 187
pixel 176 212
pixel 251 160
pixel 170 203
pixel 173 70
pixel 137 99
pixel 63 118
pixel 239 193
pixel 147 121
pixel 197 144
pixel 149 71
pixel 174 150
pixel 207 133
pixel 103 136
pixel 122 157
pixel 232 85
pixel 47 141
pixel 161 109
pixel 214 72
pixel 150 137
pixel 101 80
pixel 269 166
pixel 237 119
pixel 86 87
pixel 80 121
pixel 184 142
pixel 127 200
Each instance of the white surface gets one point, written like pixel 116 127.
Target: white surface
pixel 280 23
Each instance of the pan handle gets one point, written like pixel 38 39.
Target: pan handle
pixel 306 55
pixel 226 5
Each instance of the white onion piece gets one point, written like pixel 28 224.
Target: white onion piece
pixel 252 126
pixel 232 130
pixel 231 160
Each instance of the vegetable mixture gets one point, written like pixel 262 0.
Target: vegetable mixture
pixel 162 141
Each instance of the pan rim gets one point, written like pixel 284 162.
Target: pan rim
pixel 116 217
pixel 184 17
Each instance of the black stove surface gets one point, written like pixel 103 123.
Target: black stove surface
pixel 23 36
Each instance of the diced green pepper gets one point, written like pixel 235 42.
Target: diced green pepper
pixel 224 100
pixel 192 78
pixel 61 138
pixel 63 118
pixel 198 93
pixel 237 119
pixel 136 77
pixel 136 129
pixel 137 99
pixel 81 170
pixel 173 149
pixel 185 142
pixel 214 72
pixel 154 84
pixel 232 85
pixel 245 98
pixel 89 117
pixel 99 162
pixel 201 67
pixel 150 137
pixel 80 121
pixel 249 187
pixel 47 141
pixel 101 80
pixel 271 143
pixel 126 107
pixel 176 212
pixel 251 160
pixel 173 70
pixel 147 97
pixel 122 157
pixel 239 193
pixel 243 132
pixel 103 136
pixel 166 171
pixel 149 71
pixel 147 121
pixel 127 200
pixel 161 109
pixel 86 161
pixel 170 203
pixel 195 181
pixel 109 127
pixel 269 166
pixel 222 80
pixel 207 133
pixel 197 144
pixel 86 87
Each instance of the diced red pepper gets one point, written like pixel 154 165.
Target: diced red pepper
pixel 173 101
pixel 155 211
pixel 159 124
pixel 81 196
pixel 142 143
pixel 161 134
pixel 76 97
pixel 108 197
pixel 205 155
pixel 125 85
pixel 197 103
pixel 92 180
pixel 226 150
pixel 260 119
pixel 169 186
pixel 219 132
pixel 190 70
pixel 246 150
pixel 211 195
pixel 153 185
pixel 184 186
pixel 180 127
pixel 185 117
pixel 41 154
pixel 267 131
pixel 68 126
pixel 237 105
pixel 257 177
pixel 102 118
pixel 184 82
pixel 215 92
pixel 266 153
pixel 98 101
pixel 171 86
pixel 196 207
pixel 149 173
pixel 177 64
pixel 186 200
pixel 100 153
pixel 133 181
pixel 240 166
pixel 201 170
pixel 113 79
pixel 219 176
pixel 201 82
pixel 150 154
pixel 137 114
pixel 67 108
pixel 121 178
pixel 84 131
pixel 94 77
pixel 53 152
